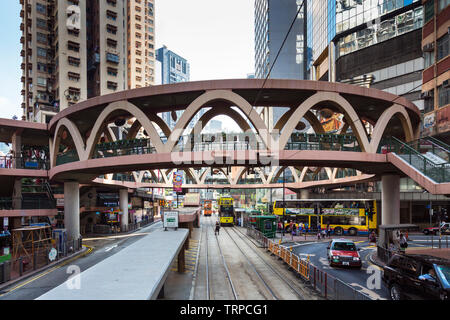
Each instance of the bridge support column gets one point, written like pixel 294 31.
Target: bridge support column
pixel 123 202
pixel 390 199
pixel 72 209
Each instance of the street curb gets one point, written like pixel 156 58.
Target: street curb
pixel 374 260
pixel 37 271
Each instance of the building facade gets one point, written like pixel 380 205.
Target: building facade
pixel 273 18
pixel 74 50
pixel 141 43
pixel 107 47
pixel 174 68
pixel 436 76
pixel 54 57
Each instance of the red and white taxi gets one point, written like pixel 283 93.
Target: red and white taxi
pixel 342 252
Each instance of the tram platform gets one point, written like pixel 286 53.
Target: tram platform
pixel 137 272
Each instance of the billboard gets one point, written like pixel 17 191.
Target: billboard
pixel 178 181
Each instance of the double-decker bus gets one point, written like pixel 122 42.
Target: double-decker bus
pixel 226 211
pixel 345 216
pixel 207 208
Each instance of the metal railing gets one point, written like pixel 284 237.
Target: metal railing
pixel 438 172
pixel 23 263
pixel 10 162
pixel 327 285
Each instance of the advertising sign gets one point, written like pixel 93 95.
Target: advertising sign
pixel 170 219
pixel 178 181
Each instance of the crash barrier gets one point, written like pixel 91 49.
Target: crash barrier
pixel 439 242
pixel 26 262
pixel 327 285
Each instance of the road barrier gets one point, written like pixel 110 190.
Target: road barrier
pixel 327 285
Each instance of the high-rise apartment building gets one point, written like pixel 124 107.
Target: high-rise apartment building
pixel 107 59
pixel 436 76
pixel 141 43
pixel 74 50
pixel 54 56
pixel 174 68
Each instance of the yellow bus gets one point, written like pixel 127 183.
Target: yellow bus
pixel 345 216
pixel 226 211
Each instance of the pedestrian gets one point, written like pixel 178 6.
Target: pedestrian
pixel 293 231
pixel 403 242
pixel 373 237
pixel 318 235
pixel 306 228
pixel 328 230
pixel 216 232
pixel 318 227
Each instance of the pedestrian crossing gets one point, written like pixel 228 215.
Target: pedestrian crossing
pixel 190 258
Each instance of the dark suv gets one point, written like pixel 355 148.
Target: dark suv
pixel 417 277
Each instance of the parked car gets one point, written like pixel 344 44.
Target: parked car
pixel 445 229
pixel 418 277
pixel 342 252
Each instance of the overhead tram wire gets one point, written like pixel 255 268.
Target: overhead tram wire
pixel 276 57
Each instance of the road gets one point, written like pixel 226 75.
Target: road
pixel 358 279
pixel 100 249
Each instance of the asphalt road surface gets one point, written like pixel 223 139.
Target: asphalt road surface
pixel 356 278
pixel 100 249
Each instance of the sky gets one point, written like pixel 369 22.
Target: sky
pixel 215 36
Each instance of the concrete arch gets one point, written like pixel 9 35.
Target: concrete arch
pixel 76 137
pixel 243 170
pixel 276 175
pixel 154 118
pixel 386 116
pixel 338 100
pixel 210 96
pixel 132 110
pixel 309 116
pixel 214 112
pixel 208 170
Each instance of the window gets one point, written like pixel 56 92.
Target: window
pixel 111 85
pixel 429 102
pixel 111 2
pixel 111 57
pixel 73 46
pixel 74 61
pixel 41 81
pixel 443 47
pixel 73 76
pixel 443 4
pixel 112 71
pixel 41 52
pixel 111 15
pixel 428 58
pixel 111 43
pixel 444 96
pixel 40 8
pixel 41 23
pixel 41 38
pixel 429 11
pixel 111 29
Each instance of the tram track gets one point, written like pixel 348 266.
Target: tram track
pixel 235 270
pixel 211 293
